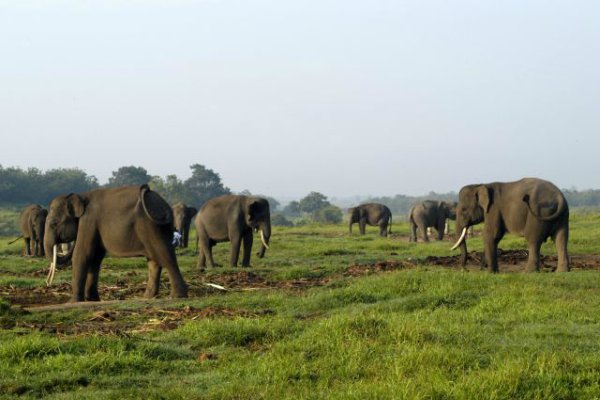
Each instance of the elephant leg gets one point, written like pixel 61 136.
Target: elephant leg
pixel 236 243
pixel 383 228
pixel 27 246
pixel 205 250
pixel 362 226
pixel 413 232
pixel 41 249
pixel 164 255
pixel 201 259
pixel 423 230
pixel 153 284
pixel 247 241
pixel 91 282
pixel 533 261
pixel 80 272
pixel 561 238
pixel 440 230
pixel 490 252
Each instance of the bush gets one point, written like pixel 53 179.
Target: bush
pixel 328 215
pixel 280 220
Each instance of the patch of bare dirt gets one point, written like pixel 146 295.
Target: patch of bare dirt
pixel 516 261
pixel 127 322
pixel 378 267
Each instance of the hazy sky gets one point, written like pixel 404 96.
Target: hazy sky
pixel 285 97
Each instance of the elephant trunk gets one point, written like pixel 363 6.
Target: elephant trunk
pixel 350 225
pixel 40 239
pixel 461 229
pixel 265 236
pixel 51 241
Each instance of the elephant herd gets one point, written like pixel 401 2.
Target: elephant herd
pixel 136 221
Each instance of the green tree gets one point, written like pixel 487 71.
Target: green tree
pixel 292 209
pixel 171 188
pixel 314 201
pixel 204 184
pixel 328 215
pixel 129 176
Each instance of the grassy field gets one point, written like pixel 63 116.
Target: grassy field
pixel 325 315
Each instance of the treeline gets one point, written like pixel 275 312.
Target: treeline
pixel 19 187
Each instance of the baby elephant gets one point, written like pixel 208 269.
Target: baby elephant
pixel 373 214
pixel 232 218
pixel 430 213
pixel 33 221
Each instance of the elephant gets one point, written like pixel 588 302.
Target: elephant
pixel 430 213
pixel 127 221
pixel 33 221
pixel 232 218
pixel 532 208
pixel 183 215
pixel 373 214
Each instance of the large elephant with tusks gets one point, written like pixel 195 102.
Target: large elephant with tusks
pixel 532 208
pixel 129 221
pixel 232 218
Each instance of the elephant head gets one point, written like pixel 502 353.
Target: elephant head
pixel 449 209
pixel 474 202
pixel 258 217
pixel 62 223
pixel 181 215
pixel 354 215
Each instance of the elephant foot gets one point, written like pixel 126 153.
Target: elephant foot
pixel 92 298
pixel 179 294
pixel 532 268
pixel 148 294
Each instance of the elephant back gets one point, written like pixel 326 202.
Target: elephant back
pixel 155 207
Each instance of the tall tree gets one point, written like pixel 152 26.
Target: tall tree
pixel 204 184
pixel 129 176
pixel 312 202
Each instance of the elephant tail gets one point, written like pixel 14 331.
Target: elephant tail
pixel 155 207
pixel 560 208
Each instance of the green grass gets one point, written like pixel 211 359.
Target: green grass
pixel 419 333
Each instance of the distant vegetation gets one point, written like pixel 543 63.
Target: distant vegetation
pixel 19 187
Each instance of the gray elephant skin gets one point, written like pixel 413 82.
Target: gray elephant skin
pixel 430 213
pixel 183 215
pixel 532 208
pixel 232 218
pixel 32 222
pixel 373 214
pixel 130 221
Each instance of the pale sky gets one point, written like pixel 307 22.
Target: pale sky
pixel 282 97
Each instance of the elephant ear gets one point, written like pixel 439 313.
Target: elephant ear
pixel 76 205
pixel 155 207
pixel 485 197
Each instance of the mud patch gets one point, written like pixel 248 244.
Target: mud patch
pixel 516 261
pixel 247 280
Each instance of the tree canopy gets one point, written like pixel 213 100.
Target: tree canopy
pixel 129 176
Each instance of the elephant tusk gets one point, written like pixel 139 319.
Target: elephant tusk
pixel 52 270
pixel 262 238
pixel 460 239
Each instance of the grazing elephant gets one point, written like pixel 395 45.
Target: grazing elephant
pixel 232 218
pixel 430 213
pixel 182 216
pixel 532 208
pixel 373 214
pixel 129 221
pixel 32 222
